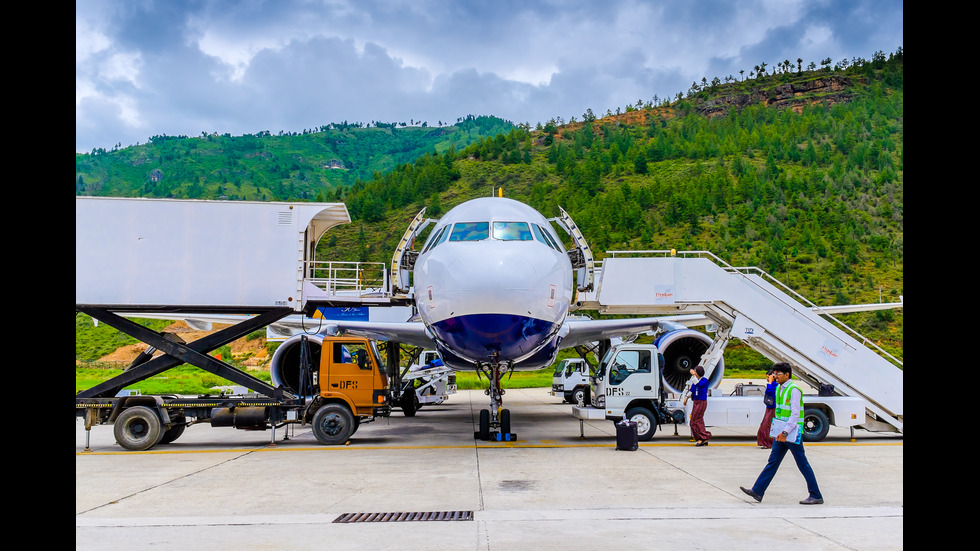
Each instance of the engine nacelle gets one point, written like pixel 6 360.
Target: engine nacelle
pixel 285 365
pixel 682 351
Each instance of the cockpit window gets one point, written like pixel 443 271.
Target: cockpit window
pixel 436 237
pixel 549 239
pixel 539 233
pixel 511 231
pixel 470 231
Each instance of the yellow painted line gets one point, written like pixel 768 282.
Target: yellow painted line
pixel 518 444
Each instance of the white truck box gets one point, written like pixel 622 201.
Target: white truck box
pixel 134 251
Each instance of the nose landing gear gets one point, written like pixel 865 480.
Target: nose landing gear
pixel 496 417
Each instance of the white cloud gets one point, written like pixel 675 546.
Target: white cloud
pixel 157 66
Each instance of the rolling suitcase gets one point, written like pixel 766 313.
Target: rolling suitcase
pixel 626 436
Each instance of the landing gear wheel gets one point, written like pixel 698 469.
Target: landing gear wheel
pixel 646 423
pixel 505 422
pixel 137 429
pixel 484 433
pixel 815 425
pixel 333 424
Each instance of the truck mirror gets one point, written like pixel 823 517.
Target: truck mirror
pixel 361 360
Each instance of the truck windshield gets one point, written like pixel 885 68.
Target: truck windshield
pixel 604 364
pixel 377 357
pixel 560 367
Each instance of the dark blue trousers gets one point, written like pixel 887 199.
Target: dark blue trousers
pixel 779 450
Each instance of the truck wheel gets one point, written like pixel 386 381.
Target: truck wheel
pixel 175 430
pixel 333 424
pixel 646 423
pixel 137 429
pixel 815 425
pixel 578 397
pixel 409 402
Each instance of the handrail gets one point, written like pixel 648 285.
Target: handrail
pixel 747 270
pixel 348 278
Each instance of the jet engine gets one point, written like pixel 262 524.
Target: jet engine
pixel 285 365
pixel 682 350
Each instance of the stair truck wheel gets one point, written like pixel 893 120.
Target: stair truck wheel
pixel 333 424
pixel 815 425
pixel 137 428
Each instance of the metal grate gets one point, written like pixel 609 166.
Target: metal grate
pixel 404 517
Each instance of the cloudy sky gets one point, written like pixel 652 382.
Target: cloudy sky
pixel 149 67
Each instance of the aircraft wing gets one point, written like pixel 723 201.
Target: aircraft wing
pixel 583 331
pixel 407 332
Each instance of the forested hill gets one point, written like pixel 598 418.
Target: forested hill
pixel 798 172
pixel 314 164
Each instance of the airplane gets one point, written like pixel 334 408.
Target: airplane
pixel 493 288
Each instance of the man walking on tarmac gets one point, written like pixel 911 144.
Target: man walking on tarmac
pixel 787 432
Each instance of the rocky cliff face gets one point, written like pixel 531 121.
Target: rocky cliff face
pixel 795 95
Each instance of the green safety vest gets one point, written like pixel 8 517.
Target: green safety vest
pixel 784 394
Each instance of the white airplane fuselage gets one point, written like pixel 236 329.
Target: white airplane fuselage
pixel 493 284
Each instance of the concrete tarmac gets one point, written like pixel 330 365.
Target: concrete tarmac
pixel 227 488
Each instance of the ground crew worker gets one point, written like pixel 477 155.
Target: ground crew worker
pixel 787 432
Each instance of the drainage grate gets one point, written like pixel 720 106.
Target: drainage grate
pixel 404 517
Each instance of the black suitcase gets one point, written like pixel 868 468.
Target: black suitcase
pixel 626 436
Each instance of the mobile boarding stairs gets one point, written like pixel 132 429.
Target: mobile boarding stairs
pixel 748 304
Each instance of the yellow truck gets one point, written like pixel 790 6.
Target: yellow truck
pixel 331 383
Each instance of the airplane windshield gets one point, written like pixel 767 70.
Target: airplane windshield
pixel 436 239
pixel 542 237
pixel 470 231
pixel 511 231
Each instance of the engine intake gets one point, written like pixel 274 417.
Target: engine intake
pixel 682 351
pixel 285 365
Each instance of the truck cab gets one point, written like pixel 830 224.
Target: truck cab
pixel 628 384
pixel 351 372
pixel 571 380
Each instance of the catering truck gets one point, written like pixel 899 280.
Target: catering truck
pixel 247 264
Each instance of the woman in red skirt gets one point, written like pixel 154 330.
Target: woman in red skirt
pixel 699 393
pixel 762 437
